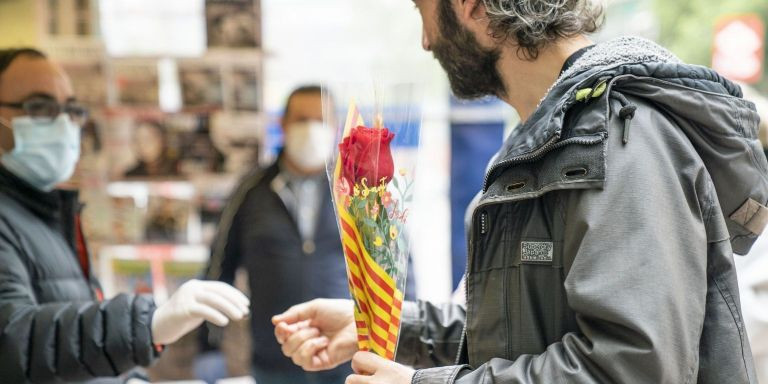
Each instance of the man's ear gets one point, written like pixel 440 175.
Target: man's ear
pixel 471 11
pixel 472 15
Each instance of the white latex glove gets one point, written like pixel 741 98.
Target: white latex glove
pixel 194 302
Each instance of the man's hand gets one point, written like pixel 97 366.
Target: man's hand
pixel 318 335
pixel 373 369
pixel 194 302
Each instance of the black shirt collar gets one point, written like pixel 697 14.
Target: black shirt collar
pixel 574 57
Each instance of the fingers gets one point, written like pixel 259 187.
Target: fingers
pixel 367 363
pixel 358 379
pixel 324 360
pixel 283 330
pixel 232 310
pixel 207 313
pixel 299 312
pixel 295 341
pixel 230 293
pixel 307 352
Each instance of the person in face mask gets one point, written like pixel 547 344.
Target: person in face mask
pixel 280 226
pixel 55 324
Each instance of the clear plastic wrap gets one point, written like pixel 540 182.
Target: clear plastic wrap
pixel 372 177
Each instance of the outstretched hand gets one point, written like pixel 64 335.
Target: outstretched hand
pixel 317 335
pixel 194 302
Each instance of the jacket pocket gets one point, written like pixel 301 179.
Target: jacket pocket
pixel 518 303
pixel 534 297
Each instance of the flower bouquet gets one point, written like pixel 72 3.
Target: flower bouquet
pixel 372 181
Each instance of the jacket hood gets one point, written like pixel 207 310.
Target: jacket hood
pixel 721 125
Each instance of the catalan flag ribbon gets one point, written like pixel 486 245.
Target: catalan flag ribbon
pixel 370 228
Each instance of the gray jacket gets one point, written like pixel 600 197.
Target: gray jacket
pixel 601 248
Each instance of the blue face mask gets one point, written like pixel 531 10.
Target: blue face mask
pixel 45 152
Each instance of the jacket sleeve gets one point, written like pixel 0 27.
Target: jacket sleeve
pixel 638 280
pixel 225 250
pixel 430 335
pixel 225 254
pixel 225 259
pixel 67 341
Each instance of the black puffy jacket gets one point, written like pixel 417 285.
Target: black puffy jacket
pixel 53 329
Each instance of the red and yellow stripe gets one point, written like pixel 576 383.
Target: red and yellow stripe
pixel 377 298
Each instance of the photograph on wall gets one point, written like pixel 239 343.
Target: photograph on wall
pixel 127 224
pixel 137 84
pixel 201 86
pixel 155 151
pixel 233 23
pixel 237 135
pixel 190 135
pixel 167 220
pixel 199 154
pixel 245 91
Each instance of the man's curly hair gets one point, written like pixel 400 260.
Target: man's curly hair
pixel 533 24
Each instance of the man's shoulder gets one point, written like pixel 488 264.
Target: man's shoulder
pixel 11 210
pixel 253 195
pixel 256 181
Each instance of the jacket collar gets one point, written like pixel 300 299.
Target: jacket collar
pixel 45 205
pixel 595 65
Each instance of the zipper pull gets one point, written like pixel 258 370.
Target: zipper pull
pixel 483 223
pixel 627 113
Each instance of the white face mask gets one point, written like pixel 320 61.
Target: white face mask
pixel 44 153
pixel 309 144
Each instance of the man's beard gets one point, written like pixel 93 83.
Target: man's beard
pixel 471 68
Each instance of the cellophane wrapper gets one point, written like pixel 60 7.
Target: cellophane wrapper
pixel 373 177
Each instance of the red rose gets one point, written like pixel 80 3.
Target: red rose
pixel 365 154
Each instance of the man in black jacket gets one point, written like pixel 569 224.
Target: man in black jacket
pixel 281 228
pixel 55 326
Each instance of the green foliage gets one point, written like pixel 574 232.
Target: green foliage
pixel 687 26
pixel 375 220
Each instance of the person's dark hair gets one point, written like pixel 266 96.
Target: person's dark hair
pixel 303 90
pixel 7 56
pixel 534 24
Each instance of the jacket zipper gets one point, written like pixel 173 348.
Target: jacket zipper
pixel 466 299
pixel 484 225
pixel 550 145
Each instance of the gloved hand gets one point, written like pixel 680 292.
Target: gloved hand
pixel 194 302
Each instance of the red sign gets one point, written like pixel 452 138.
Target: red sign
pixel 739 48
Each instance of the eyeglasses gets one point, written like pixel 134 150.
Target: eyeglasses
pixel 49 109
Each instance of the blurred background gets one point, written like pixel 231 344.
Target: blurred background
pixel 198 86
